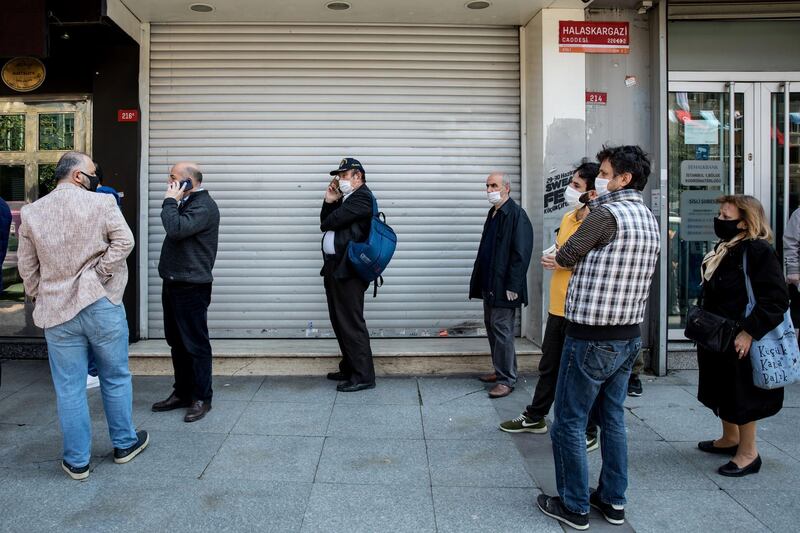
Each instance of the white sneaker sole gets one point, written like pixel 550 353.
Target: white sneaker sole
pixel 562 519
pixel 73 475
pixel 593 447
pixel 134 453
pixel 537 431
pixel 610 520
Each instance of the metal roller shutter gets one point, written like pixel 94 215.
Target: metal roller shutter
pixel 268 110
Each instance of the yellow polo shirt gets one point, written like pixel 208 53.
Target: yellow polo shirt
pixel 560 280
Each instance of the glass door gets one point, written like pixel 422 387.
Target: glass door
pixel 33 136
pixel 710 154
pixel 780 146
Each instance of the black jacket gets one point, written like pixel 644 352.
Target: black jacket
pixel 725 381
pixel 190 246
pixel 351 220
pixel 510 257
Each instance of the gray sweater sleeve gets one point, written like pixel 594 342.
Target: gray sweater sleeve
pixel 791 244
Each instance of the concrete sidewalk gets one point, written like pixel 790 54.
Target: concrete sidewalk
pixel 415 454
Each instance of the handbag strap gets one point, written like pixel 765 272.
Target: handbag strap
pixel 751 298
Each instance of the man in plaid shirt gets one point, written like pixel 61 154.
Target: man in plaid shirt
pixel 613 256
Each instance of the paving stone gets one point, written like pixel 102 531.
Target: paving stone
pixel 241 388
pixel 387 391
pixel 655 465
pixel 268 458
pixel 776 509
pixel 679 423
pixel 19 374
pixel 666 509
pixel 466 510
pixel 369 509
pixel 461 421
pixel 236 505
pixel 376 421
pixel 664 396
pixel 223 416
pixel 781 430
pixel 374 461
pixel 41 447
pixel 170 454
pixel 791 396
pixel 445 390
pixel 274 418
pixel 316 390
pixel 477 463
pixel 778 468
pixel 34 406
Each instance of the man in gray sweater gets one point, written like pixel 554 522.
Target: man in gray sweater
pixel 191 219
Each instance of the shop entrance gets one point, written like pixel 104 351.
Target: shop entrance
pixel 724 137
pixel 33 136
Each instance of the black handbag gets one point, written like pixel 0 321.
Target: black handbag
pixel 712 332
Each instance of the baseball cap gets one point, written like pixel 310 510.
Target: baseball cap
pixel 348 163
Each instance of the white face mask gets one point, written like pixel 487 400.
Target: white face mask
pixel 601 186
pixel 573 196
pixel 345 186
pixel 495 197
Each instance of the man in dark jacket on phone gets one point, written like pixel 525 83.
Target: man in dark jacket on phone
pixel 191 221
pixel 499 278
pixel 346 216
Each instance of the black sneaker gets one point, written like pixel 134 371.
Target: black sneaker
pixel 76 473
pixel 552 507
pixel 612 515
pixel 634 386
pixel 123 455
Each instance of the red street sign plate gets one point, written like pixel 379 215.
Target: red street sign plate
pixel 127 115
pixel 593 98
pixel 593 37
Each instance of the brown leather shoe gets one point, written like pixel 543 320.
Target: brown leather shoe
pixel 500 390
pixel 173 402
pixel 197 410
pixel 488 378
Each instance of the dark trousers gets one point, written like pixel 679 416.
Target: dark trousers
pixel 186 329
pixel 346 311
pixel 552 345
pixel 499 322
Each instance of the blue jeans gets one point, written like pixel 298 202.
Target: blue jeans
pixel 592 373
pixel 102 328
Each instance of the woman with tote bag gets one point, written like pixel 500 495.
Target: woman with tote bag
pixel 726 377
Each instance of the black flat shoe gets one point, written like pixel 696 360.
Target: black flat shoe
pixel 732 470
pixel 337 376
pixel 354 387
pixel 708 447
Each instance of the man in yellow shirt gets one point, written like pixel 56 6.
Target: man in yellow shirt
pixel 578 193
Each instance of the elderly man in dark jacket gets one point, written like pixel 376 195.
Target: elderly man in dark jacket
pixel 499 279
pixel 191 222
pixel 346 217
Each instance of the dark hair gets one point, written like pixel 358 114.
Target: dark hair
pixel 67 164
pixel 627 159
pixel 588 171
pixel 194 173
pixel 98 171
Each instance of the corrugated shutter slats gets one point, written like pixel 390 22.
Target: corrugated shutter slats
pixel 268 110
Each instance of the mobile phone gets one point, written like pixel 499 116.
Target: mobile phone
pixel 186 185
pixel 335 184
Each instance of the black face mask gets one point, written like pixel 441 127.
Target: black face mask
pixel 94 181
pixel 726 229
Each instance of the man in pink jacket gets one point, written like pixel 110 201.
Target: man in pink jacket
pixel 72 250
